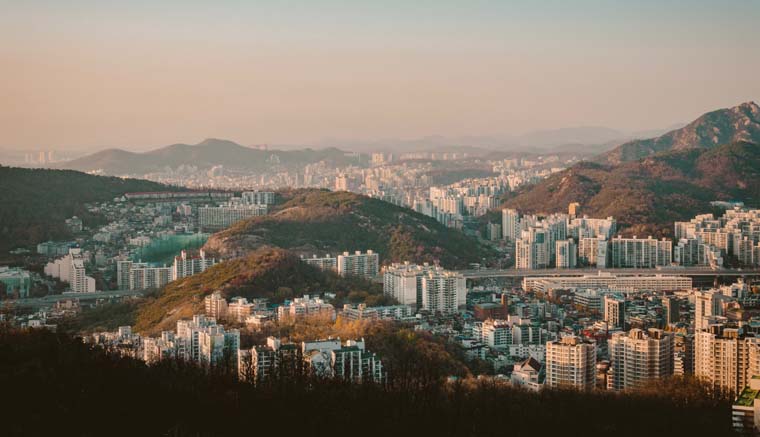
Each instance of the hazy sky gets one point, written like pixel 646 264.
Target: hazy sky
pixel 146 73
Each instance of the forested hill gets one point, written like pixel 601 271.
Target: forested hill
pixel 317 222
pixel 646 196
pixel 35 202
pixel 271 273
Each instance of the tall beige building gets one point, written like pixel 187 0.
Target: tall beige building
pixel 638 356
pixel 707 305
pixel 614 311
pixel 571 362
pixel 725 359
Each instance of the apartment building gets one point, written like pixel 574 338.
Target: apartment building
pixel 443 291
pixel 627 283
pixel 725 358
pixel 638 357
pixel 566 254
pixel 359 264
pixel 614 311
pixel 326 262
pixel 571 362
pixel 640 253
pixel 403 282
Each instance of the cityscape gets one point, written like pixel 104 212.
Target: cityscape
pixel 422 226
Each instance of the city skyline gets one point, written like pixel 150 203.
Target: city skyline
pixel 380 218
pixel 97 75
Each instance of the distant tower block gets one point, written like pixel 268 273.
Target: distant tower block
pixel 574 209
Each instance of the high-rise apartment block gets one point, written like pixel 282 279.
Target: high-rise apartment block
pixel 188 265
pixel 205 342
pixel 258 197
pixel 708 304
pixel 211 218
pixel 614 311
pixel 532 249
pixel 640 253
pixel 571 362
pixel 725 358
pixel 638 357
pixel 359 264
pixel 510 224
pixel 566 254
pixel 71 269
pixel 349 361
pixel 443 292
pixel 326 262
pixel 403 282
pixel 132 275
pixel 592 251
pixel 672 309
pixel 306 306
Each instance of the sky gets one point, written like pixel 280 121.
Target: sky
pixel 139 74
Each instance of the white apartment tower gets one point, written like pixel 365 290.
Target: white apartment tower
pixel 640 253
pixel 403 282
pixel 188 265
pixel 359 264
pixel 532 249
pixel 566 254
pixel 443 292
pixel 510 224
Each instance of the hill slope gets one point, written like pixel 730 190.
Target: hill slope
pixel 267 272
pixel 204 155
pixel 648 195
pixel 35 202
pixel 724 126
pixel 317 221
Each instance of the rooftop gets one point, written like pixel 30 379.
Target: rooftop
pixel 747 397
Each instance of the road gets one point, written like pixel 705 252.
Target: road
pixel 48 301
pixel 687 271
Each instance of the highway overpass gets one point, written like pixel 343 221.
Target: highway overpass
pixel 694 272
pixel 50 300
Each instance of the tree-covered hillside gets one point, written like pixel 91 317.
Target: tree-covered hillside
pixel 646 196
pixel 268 272
pixel 35 202
pixel 57 385
pixel 319 222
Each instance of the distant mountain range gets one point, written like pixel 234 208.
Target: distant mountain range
pixel 204 155
pixel 648 184
pixel 583 141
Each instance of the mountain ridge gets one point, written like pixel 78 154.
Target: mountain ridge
pixel 206 154
pixel 647 195
pixel 712 129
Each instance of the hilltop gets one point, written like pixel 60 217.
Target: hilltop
pixel 268 272
pixel 204 155
pixel 318 222
pixel 713 129
pixel 35 202
pixel 647 195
